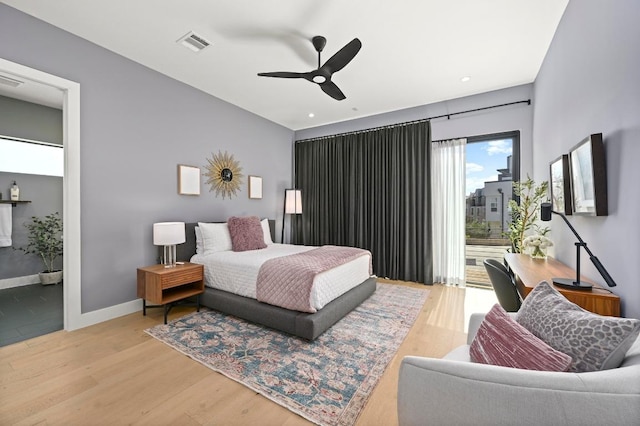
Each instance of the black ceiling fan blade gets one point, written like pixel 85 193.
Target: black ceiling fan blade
pixel 283 74
pixel 330 88
pixel 343 56
pixel 322 75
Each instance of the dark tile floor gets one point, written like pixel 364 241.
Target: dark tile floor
pixel 30 311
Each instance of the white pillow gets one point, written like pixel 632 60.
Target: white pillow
pixel 199 243
pixel 267 231
pixel 215 237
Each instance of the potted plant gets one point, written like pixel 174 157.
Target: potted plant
pixel 45 240
pixel 524 215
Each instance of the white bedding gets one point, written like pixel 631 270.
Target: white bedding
pixel 237 272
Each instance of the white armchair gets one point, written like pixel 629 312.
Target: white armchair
pixel 456 391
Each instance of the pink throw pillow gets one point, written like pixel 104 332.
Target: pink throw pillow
pixel 502 341
pixel 246 233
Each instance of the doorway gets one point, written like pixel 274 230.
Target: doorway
pixel 491 168
pixel 72 317
pixel 27 308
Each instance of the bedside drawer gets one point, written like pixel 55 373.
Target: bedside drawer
pixel 177 278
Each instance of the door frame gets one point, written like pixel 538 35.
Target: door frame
pixel 73 318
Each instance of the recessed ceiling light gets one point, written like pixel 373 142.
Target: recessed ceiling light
pixel 465 79
pixel 311 115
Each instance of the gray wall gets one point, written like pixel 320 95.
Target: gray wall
pixel 36 122
pixel 516 117
pixel 45 194
pixel 137 125
pixel 589 84
pixel 26 120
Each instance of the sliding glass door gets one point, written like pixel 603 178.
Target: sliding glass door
pixel 492 165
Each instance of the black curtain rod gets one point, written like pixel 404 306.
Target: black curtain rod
pixel 390 126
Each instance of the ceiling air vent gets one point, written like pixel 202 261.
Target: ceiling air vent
pixel 193 41
pixel 7 81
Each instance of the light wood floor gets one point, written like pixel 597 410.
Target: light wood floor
pixel 114 373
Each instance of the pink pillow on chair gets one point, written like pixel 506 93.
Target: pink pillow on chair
pixel 500 340
pixel 246 233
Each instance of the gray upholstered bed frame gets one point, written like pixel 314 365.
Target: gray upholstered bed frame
pixel 301 324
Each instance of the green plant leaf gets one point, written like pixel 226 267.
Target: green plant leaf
pixel 524 214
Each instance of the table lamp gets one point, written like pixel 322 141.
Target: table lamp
pixel 545 215
pixel 168 234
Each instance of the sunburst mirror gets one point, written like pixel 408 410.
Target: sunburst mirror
pixel 224 174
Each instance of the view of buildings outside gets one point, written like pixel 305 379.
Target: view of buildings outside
pixel 489 180
pixel 489 183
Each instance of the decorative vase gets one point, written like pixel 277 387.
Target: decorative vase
pixel 537 252
pixel 47 278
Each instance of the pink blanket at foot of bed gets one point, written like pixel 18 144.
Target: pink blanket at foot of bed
pixel 287 281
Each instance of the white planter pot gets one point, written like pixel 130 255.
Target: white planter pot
pixel 47 278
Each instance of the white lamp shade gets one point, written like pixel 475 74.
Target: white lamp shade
pixel 168 233
pixel 293 201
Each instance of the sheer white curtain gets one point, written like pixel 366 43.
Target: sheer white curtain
pixel 448 211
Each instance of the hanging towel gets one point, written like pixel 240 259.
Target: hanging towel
pixel 5 225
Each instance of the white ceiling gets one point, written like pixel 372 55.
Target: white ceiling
pixel 414 52
pixel 31 91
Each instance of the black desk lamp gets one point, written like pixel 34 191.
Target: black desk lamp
pixel 545 215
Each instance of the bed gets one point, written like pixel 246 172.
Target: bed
pixel 306 325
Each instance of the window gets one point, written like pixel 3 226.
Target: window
pixel 492 166
pixel 30 157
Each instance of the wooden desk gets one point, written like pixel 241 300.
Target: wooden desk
pixel 529 272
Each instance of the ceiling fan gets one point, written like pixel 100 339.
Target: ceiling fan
pixel 322 75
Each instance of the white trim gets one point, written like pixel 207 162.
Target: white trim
pixel 19 281
pixel 106 314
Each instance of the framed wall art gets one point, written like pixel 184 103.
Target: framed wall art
pixel 224 173
pixel 255 187
pixel 589 177
pixel 560 185
pixel 188 180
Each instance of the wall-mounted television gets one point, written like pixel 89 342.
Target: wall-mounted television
pixel 589 177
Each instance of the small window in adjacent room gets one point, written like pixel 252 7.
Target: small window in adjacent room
pixel 31 157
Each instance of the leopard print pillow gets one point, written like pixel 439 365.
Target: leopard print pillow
pixel 594 342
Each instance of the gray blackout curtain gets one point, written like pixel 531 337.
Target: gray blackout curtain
pixel 371 190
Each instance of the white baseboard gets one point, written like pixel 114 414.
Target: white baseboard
pixel 106 314
pixel 19 281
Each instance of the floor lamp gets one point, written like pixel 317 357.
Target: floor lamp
pixel 545 215
pixel 292 205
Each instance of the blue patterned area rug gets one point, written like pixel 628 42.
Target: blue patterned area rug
pixel 327 381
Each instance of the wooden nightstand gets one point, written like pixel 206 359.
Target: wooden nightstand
pixel 167 286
